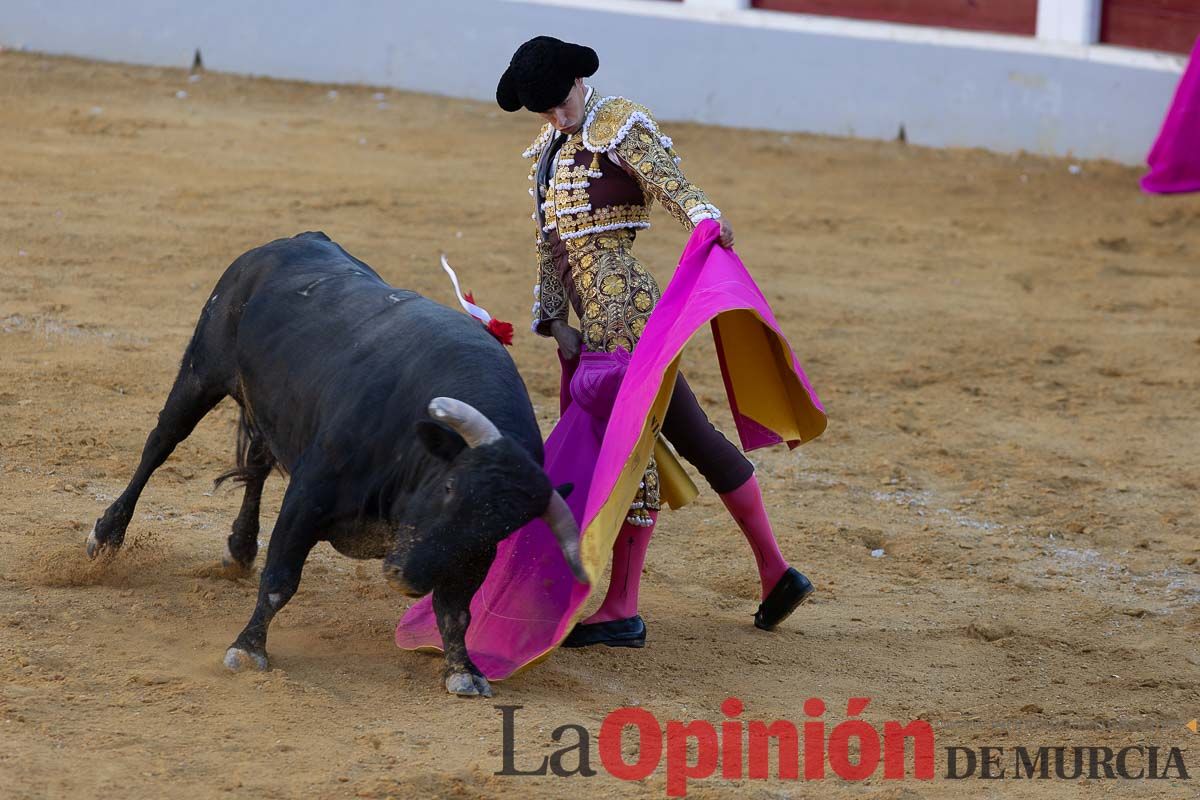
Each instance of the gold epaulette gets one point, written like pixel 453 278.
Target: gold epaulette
pixel 611 120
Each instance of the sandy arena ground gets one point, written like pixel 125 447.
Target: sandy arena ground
pixel 1007 348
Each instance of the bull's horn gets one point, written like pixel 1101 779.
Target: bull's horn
pixel 466 420
pixel 562 524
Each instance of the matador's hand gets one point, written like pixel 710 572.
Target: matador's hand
pixel 726 239
pixel 570 341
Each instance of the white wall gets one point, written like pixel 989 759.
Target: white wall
pixel 702 62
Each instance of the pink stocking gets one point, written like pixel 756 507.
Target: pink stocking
pixel 745 505
pixel 629 556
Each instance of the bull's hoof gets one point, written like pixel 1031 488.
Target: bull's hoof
pixel 233 566
pixel 464 684
pixel 95 547
pixel 237 660
pixel 93 544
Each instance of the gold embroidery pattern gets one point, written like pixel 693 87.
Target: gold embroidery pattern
pixel 616 292
pixel 618 124
pixel 617 295
pixel 539 144
pixel 551 301
pixel 655 169
pixel 571 226
pixel 609 121
pixel 560 198
pixel 648 497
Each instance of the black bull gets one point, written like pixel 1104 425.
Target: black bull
pixel 405 427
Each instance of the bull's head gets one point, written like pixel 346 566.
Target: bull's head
pixel 491 487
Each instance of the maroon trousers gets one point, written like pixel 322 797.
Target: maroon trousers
pixel 699 443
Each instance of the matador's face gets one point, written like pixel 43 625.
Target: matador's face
pixel 567 116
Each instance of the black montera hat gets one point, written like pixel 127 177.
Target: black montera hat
pixel 541 72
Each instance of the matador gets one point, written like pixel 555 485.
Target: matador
pixel 598 164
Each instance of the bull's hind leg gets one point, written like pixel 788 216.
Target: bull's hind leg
pixel 190 399
pixel 242 545
pixel 301 518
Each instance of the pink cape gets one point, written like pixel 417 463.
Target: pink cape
pixel 529 601
pixel 1175 158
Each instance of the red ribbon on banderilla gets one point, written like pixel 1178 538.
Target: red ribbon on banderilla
pixel 503 331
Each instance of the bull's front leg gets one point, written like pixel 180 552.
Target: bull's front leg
pixel 452 605
pixel 301 517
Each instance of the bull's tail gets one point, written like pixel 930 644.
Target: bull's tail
pixel 254 458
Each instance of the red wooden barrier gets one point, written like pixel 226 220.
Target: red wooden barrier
pixel 1002 16
pixel 1155 24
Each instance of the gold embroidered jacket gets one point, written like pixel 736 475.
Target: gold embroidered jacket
pixel 601 181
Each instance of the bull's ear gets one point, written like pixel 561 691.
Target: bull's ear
pixel 439 439
pixel 564 490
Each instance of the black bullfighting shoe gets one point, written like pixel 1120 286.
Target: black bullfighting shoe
pixel 790 591
pixel 629 632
